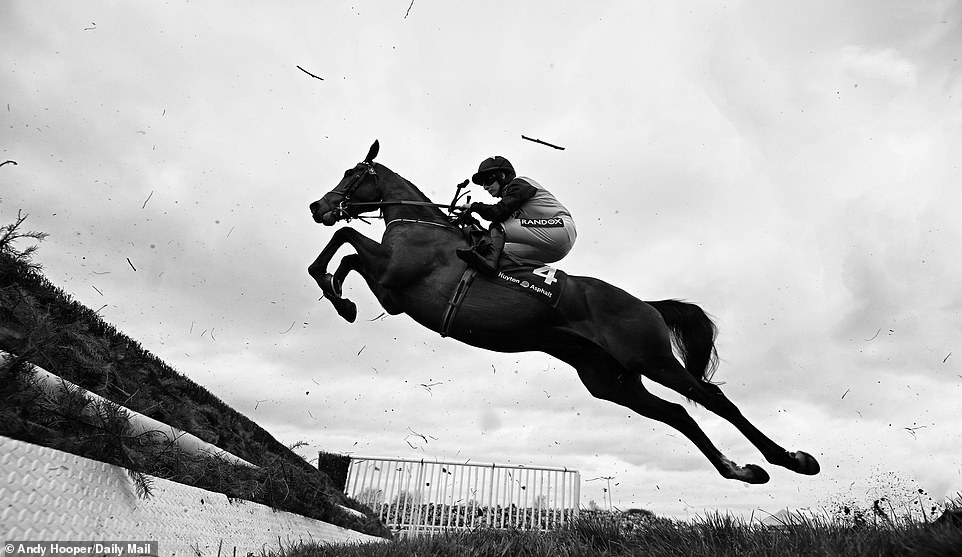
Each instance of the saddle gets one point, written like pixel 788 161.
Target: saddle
pixel 527 276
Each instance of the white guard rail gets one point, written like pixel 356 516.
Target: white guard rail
pixel 53 386
pixel 11 480
pixel 424 497
pixel 50 495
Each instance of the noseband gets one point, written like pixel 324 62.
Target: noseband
pixel 341 210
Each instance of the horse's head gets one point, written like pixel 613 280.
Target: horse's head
pixel 359 185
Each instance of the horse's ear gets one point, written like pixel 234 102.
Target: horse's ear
pixel 373 152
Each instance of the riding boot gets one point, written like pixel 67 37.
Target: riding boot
pixel 485 254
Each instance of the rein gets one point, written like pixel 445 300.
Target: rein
pixel 389 203
pixel 346 203
pixel 419 221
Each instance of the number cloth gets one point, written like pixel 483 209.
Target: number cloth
pixel 543 282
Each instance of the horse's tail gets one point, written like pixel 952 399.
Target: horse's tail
pixel 693 334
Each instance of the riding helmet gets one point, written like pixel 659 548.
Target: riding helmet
pixel 493 164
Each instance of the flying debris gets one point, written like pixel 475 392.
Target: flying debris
pixel 309 73
pixel 543 142
pixel 427 387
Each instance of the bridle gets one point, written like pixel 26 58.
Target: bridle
pixel 341 211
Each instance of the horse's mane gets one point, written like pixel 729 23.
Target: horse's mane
pixel 414 188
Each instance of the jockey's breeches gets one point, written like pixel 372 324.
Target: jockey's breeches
pixel 546 240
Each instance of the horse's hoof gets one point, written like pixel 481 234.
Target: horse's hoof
pixel 749 473
pixel 756 474
pixel 345 308
pixel 331 286
pixel 804 463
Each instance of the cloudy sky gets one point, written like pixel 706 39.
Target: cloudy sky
pixel 791 167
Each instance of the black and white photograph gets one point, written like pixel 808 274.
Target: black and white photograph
pixel 480 278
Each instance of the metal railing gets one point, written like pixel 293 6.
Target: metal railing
pixel 424 497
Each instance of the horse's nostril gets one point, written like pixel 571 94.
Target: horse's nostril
pixel 314 206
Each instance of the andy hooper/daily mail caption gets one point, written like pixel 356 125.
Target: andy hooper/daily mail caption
pixel 18 548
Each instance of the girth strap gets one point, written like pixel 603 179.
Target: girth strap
pixel 447 320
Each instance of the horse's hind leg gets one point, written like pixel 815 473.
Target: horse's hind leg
pixel 797 461
pixel 607 380
pixel 670 373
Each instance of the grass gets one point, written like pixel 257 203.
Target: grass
pixel 605 534
pixel 43 326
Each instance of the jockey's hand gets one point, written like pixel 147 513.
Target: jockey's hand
pixel 462 214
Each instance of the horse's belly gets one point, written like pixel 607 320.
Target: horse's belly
pixel 497 318
pixel 489 316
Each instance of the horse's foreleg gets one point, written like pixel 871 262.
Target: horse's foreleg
pixel 370 255
pixel 332 287
pixel 341 236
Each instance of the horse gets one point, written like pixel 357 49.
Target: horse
pixel 611 338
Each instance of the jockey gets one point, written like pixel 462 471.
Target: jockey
pixel 527 222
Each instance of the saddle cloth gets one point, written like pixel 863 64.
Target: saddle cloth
pixel 541 281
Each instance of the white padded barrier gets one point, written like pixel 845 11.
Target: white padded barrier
pixel 50 495
pixel 140 424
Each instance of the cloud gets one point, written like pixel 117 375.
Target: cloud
pixel 887 65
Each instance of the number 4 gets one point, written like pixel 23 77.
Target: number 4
pixel 547 273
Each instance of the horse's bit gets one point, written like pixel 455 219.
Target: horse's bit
pixel 341 210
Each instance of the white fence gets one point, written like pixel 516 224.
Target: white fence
pixel 423 497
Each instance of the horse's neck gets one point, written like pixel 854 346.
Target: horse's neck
pixel 396 188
